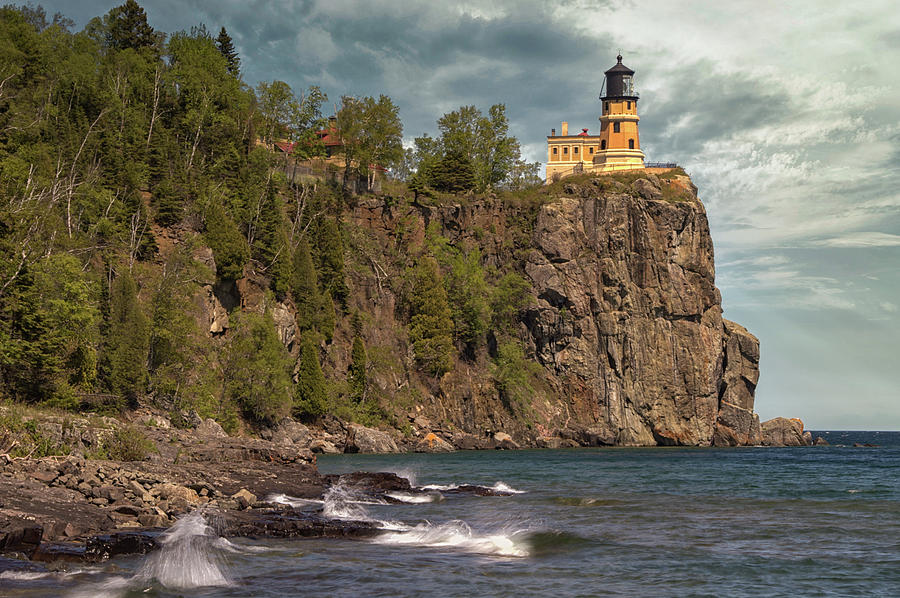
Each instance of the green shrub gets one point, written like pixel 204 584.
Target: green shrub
pixel 128 443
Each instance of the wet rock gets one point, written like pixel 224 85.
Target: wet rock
pixel 105 546
pixel 361 439
pixel 209 428
pixel 291 523
pixel 819 441
pixel 373 483
pixel 19 535
pixel 432 443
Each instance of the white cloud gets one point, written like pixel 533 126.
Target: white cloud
pixel 861 239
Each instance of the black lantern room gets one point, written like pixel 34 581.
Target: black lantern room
pixel 619 83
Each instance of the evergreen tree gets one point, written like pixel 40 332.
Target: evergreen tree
pixel 327 318
pixel 431 322
pixel 167 205
pixel 305 287
pixel 229 246
pixel 311 398
pixel 127 27
pixel 453 173
pixel 226 47
pixel 357 374
pixel 127 341
pixel 331 260
pixel 256 368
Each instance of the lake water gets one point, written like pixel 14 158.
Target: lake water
pixel 822 521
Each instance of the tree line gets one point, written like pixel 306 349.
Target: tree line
pixel 112 135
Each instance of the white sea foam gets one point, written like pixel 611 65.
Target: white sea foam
pixel 498 486
pixel 187 558
pixel 24 575
pixel 284 499
pixel 459 536
pixel 414 498
pixel 227 546
pixel 409 474
pixel 344 503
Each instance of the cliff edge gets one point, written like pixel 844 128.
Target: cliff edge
pixel 624 319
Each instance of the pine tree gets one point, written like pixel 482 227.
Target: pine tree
pixel 166 203
pixel 356 376
pixel 128 27
pixel 453 173
pixel 327 318
pixel 431 322
pixel 257 369
pixel 305 287
pixel 311 399
pixel 226 47
pixel 229 246
pixel 331 260
pixel 128 340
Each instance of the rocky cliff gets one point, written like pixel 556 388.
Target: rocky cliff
pixel 624 319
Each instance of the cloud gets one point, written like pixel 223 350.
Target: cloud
pixel 861 239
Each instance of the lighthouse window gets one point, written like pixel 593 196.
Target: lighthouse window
pixel 565 150
pixel 631 144
pixel 554 151
pixel 591 150
pixel 574 150
pixel 603 144
pixel 606 106
pixel 628 105
pixel 615 127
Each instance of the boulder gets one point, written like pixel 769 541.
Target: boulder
pixel 323 447
pixel 782 431
pixel 209 428
pixel 819 441
pixel 469 442
pixel 244 498
pixel 291 432
pixel 361 439
pixel 170 492
pixel 432 443
pixel 505 441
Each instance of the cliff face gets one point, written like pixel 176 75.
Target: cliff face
pixel 625 320
pixel 643 336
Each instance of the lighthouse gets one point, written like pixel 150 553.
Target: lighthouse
pixel 616 147
pixel 620 144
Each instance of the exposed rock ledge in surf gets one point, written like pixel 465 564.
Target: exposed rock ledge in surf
pixel 76 509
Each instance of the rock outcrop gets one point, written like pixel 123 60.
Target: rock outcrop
pixel 625 319
pixel 782 431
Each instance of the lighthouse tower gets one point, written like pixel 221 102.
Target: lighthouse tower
pixel 620 146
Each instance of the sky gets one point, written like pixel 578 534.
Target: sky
pixel 786 114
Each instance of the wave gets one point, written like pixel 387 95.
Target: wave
pixel 187 557
pixel 575 501
pixel 460 536
pixel 343 503
pixel 25 575
pixel 293 501
pixel 406 497
pixel 497 487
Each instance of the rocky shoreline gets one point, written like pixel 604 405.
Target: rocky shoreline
pixel 72 508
